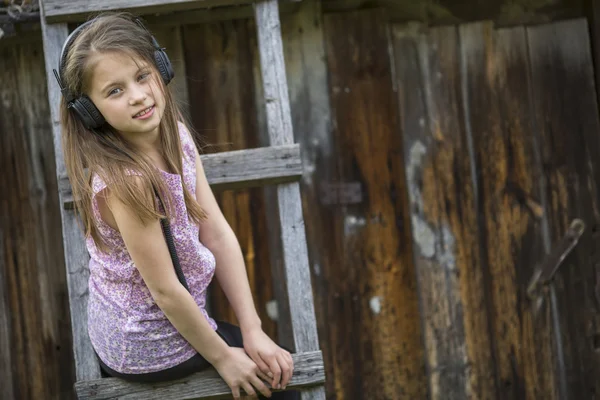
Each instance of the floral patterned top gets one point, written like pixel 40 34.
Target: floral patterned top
pixel 129 332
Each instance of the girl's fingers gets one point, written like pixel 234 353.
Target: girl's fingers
pixel 235 391
pixel 262 365
pixel 275 370
pixel 258 384
pixel 248 389
pixel 286 370
pixel 263 376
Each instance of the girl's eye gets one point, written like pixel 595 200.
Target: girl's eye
pixel 114 91
pixel 143 76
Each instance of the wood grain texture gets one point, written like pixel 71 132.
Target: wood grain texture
pixel 294 252
pixel 35 345
pixel 566 116
pixel 495 75
pixel 374 329
pixel 306 71
pixel 76 256
pixel 308 371
pixel 6 362
pixel 281 305
pixel 78 10
pixel 272 64
pixel 253 167
pixel 221 93
pixel 443 213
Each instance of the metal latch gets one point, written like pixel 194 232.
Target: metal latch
pixel 545 272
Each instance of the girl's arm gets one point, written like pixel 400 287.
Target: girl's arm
pixel 216 234
pixel 148 249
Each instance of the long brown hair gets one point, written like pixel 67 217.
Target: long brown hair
pixel 104 152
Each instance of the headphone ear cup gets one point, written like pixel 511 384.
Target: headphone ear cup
pixel 87 112
pixel 163 64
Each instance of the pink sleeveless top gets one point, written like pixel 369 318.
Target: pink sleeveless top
pixel 128 330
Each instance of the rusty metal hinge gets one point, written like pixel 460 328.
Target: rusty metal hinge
pixel 545 272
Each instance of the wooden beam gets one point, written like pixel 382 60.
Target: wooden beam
pixel 307 79
pixel 76 255
pixel 253 167
pixel 291 221
pixel 236 169
pixel 308 371
pixel 6 378
pixel 79 10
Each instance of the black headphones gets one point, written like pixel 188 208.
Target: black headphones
pixel 81 105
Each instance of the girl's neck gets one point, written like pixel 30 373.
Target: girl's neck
pixel 146 144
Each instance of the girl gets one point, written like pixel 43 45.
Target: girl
pixel 131 162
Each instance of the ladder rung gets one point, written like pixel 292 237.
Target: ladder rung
pixel 237 169
pixel 73 10
pixel 308 371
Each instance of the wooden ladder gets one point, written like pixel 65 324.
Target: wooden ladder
pixel 279 164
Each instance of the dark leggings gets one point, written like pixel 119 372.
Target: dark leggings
pixel 231 334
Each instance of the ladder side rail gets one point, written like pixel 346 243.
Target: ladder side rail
pixel 291 221
pixel 76 255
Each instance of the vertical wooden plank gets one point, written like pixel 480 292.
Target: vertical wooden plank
pixel 6 362
pixel 510 200
pixel 218 56
pixel 375 329
pixel 443 213
pixel 280 306
pixel 306 71
pixel 34 275
pixel 76 256
pixel 279 126
pixel 515 214
pixel 566 115
pixel 291 222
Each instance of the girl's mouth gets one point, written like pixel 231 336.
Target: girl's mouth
pixel 147 113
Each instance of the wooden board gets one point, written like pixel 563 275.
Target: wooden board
pixel 308 371
pixel 35 339
pixel 78 10
pixel 443 213
pixel 509 203
pixel 374 331
pixel 76 255
pixel 289 206
pixel 6 362
pixel 306 71
pixel 221 95
pixel 566 116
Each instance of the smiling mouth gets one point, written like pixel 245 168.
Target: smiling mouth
pixel 144 112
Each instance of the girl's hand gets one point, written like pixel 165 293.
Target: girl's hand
pixel 272 360
pixel 240 372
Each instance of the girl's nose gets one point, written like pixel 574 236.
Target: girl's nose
pixel 137 96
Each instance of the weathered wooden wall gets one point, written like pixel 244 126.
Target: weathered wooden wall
pixel 500 130
pixel 35 335
pixel 441 164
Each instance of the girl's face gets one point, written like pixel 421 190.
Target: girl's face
pixel 127 92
